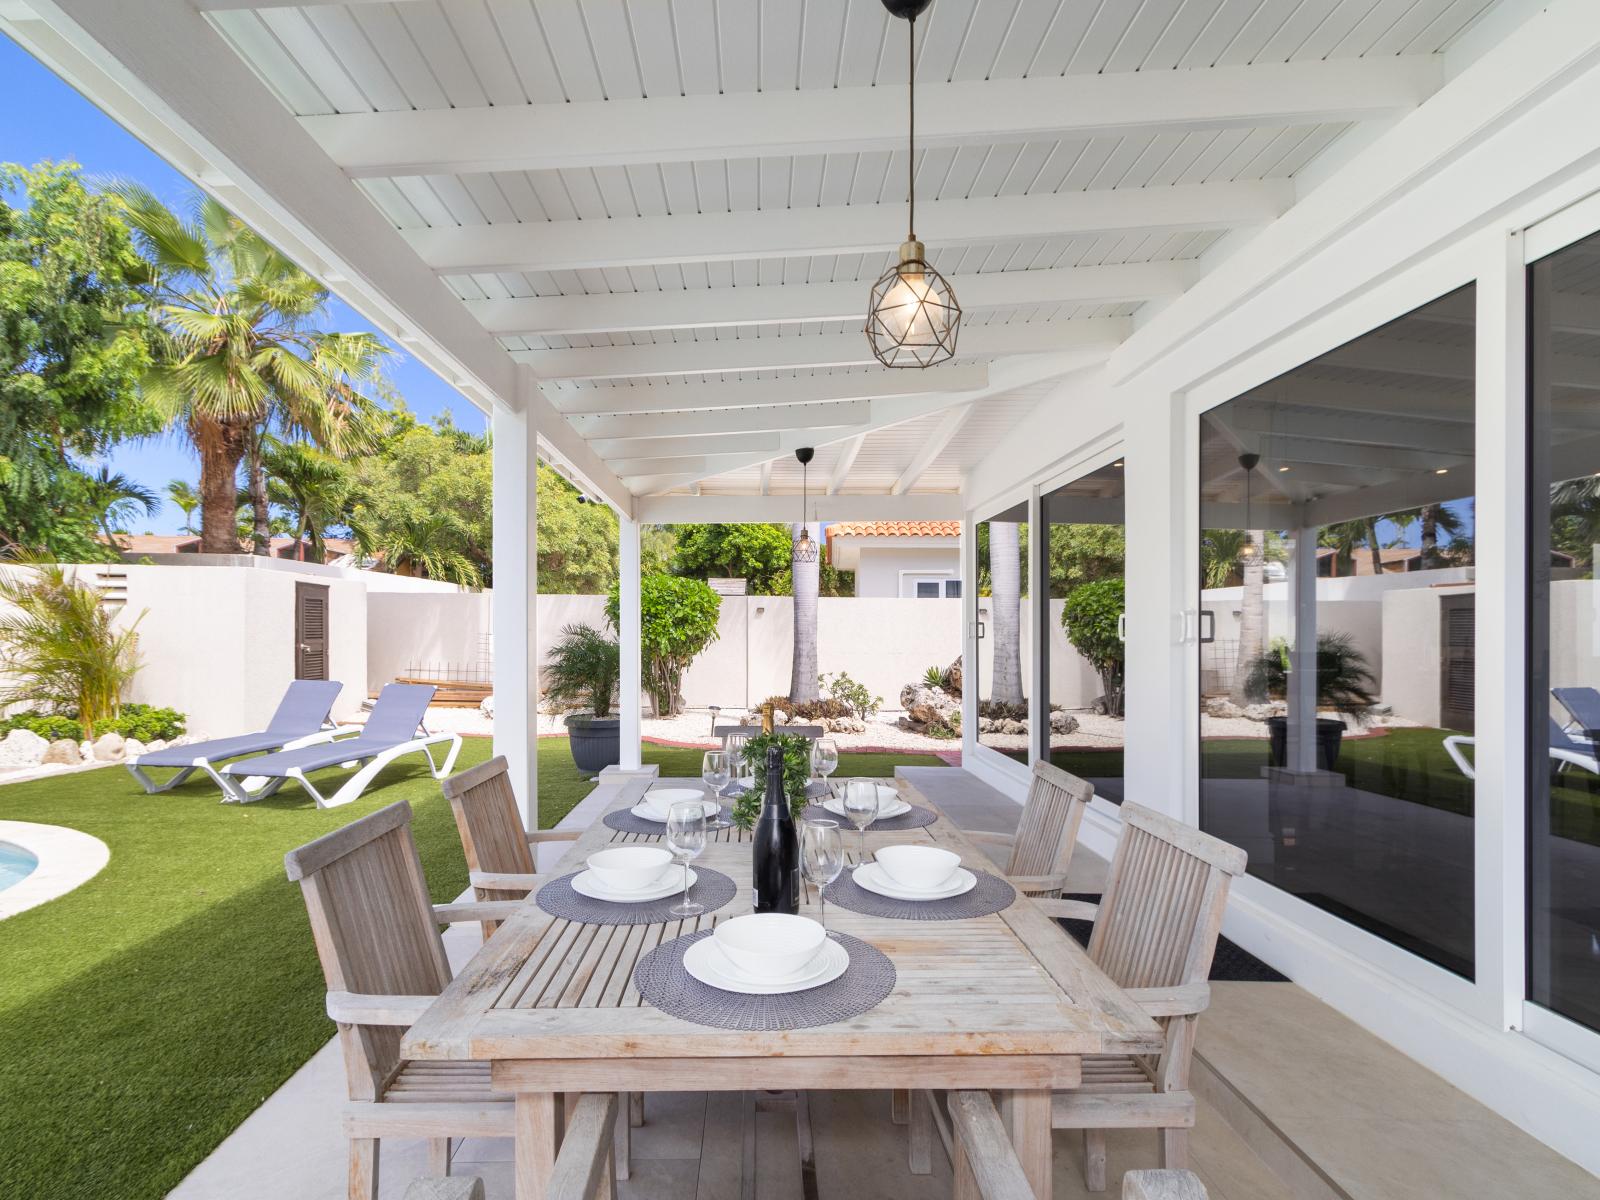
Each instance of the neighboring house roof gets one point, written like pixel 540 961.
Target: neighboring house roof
pixel 938 529
pixel 134 545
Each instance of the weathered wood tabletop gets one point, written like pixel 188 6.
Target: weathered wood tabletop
pixel 1005 1001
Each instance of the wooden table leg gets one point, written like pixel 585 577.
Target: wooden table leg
pixel 536 1133
pixel 1028 1115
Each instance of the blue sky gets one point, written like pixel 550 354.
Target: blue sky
pixel 48 120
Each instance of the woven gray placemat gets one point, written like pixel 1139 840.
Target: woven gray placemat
pixel 623 821
pixel 989 896
pixel 915 819
pixel 711 888
pixel 662 980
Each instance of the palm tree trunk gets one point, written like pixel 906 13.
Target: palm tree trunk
pixel 1430 535
pixel 261 534
pixel 805 582
pixel 1372 546
pixel 1252 618
pixel 221 448
pixel 1005 592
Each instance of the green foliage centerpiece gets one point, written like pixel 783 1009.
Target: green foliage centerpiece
pixel 796 774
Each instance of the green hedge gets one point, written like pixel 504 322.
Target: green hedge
pixel 142 721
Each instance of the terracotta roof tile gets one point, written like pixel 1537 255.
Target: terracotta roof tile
pixel 894 529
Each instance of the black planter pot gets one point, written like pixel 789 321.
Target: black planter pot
pixel 1330 733
pixel 596 742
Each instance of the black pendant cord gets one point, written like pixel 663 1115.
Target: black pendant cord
pixel 911 140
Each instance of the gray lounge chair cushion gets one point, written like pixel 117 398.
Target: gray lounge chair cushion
pixel 394 722
pixel 302 711
pixel 1582 702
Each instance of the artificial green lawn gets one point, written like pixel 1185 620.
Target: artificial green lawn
pixel 145 1014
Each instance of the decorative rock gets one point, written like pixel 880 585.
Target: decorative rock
pixel 158 744
pixel 1258 712
pixel 1063 722
pixel 953 677
pixel 85 751
pixel 1012 727
pixel 109 747
pixel 64 752
pixel 486 706
pixel 986 724
pixel 926 705
pixel 132 748
pixel 22 748
pixel 1223 708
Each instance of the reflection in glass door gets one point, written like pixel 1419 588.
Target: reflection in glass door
pixel 1001 672
pixel 1337 630
pixel 1082 639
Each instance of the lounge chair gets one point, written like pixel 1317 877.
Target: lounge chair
pixel 301 720
pixel 1584 705
pixel 394 729
pixel 1565 751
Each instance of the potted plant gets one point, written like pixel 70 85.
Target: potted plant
pixel 1343 683
pixel 582 673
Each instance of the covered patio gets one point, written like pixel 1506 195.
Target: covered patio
pixel 1294 298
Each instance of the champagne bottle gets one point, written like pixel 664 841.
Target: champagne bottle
pixel 775 851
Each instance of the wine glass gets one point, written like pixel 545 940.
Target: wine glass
pixel 715 771
pixel 824 758
pixel 861 807
pixel 821 859
pixel 686 838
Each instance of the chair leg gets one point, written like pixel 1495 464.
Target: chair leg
pixel 439 1157
pixel 636 1109
pixel 1094 1159
pixel 900 1106
pixel 921 1132
pixel 1175 1149
pixel 608 1180
pixel 622 1139
pixel 964 1184
pixel 363 1183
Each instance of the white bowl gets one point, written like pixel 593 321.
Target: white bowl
pixel 769 945
pixel 661 800
pixel 630 868
pixel 918 868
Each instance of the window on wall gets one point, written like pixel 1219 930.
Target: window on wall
pixel 1564 634
pixel 1003 642
pixel 1336 630
pixel 1083 548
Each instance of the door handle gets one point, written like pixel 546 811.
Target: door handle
pixel 1208 615
pixel 1122 627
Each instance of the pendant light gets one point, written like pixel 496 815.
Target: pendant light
pixel 912 316
pixel 805 550
pixel 1249 549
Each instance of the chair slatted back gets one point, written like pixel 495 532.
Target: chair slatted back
pixel 373 924
pixel 1160 916
pixel 490 825
pixel 1048 831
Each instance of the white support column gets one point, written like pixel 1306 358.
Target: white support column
pixel 516 667
pixel 630 637
pixel 1500 701
pixel 1036 670
pixel 1300 754
pixel 969 638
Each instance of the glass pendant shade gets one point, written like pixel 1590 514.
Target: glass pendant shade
pixel 913 318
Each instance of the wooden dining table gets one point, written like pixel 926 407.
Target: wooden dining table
pixel 1006 1002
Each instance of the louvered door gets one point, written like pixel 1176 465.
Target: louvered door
pixel 310 631
pixel 1457 660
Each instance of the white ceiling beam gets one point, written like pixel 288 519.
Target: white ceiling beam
pixel 856 120
pixel 846 460
pixel 1366 428
pixel 684 445
pixel 1313 452
pixel 845 229
pixel 819 350
pixel 1395 355
pixel 711 422
pixel 687 395
pixel 623 312
pixel 708 507
pixel 947 428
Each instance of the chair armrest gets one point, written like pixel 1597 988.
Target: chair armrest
pixel 1183 1001
pixel 1033 885
pixel 353 1008
pixel 554 835
pixel 479 910
pixel 500 881
pixel 1073 910
pixel 994 839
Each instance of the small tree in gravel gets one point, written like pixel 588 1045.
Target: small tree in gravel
pixel 1090 616
pixel 678 619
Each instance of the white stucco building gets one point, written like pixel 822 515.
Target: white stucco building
pixel 911 560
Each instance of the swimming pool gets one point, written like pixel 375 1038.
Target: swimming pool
pixel 16 864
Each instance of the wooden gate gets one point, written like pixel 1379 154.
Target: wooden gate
pixel 1457 661
pixel 310 631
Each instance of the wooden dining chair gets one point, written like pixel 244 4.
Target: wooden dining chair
pixel 1041 849
pixel 500 852
pixel 1155 934
pixel 377 936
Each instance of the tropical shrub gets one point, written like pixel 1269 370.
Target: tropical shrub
pixel 50 727
pixel 936 677
pixel 1344 681
pixel 1091 615
pixel 796 774
pixel 826 708
pixel 582 670
pixel 678 619
pixel 59 646
pixel 863 704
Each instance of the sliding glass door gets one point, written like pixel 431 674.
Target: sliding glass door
pixel 1004 661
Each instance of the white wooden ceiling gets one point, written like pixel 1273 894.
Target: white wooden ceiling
pixel 673 209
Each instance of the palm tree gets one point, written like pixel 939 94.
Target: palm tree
pixel 115 500
pixel 1005 593
pixel 313 486
pixel 1343 538
pixel 238 354
pixel 182 493
pixel 1252 612
pixel 805 584
pixel 428 546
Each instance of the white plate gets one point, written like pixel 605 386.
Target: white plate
pixel 710 966
pixel 897 807
pixel 645 813
pixel 585 884
pixel 875 879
